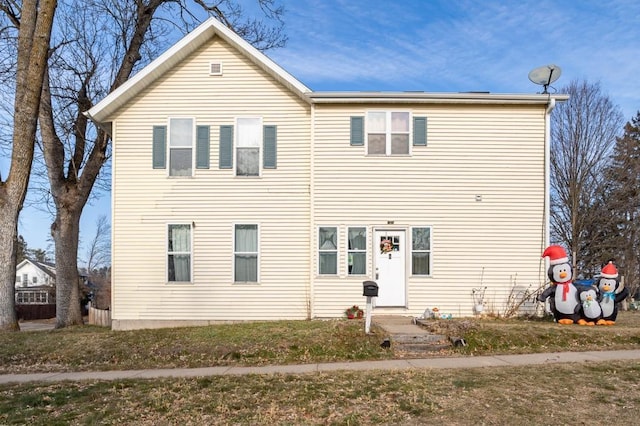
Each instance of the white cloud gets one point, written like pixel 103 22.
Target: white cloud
pixel 462 46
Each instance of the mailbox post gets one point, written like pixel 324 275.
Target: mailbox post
pixel 370 290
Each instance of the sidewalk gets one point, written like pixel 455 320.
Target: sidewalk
pixel 397 364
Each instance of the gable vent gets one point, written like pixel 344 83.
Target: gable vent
pixel 215 68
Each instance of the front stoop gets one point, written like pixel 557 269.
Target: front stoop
pixel 420 343
pixel 405 335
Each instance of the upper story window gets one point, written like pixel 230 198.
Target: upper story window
pixel 388 132
pixel 181 137
pixel 248 142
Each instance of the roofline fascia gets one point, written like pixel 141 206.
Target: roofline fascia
pixel 433 98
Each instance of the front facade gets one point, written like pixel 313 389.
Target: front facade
pixel 240 194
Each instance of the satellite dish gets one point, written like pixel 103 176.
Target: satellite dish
pixel 545 75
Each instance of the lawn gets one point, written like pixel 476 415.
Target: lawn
pixel 595 393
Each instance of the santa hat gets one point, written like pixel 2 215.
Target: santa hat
pixel 556 255
pixel 609 271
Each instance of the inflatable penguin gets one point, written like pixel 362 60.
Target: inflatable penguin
pixel 591 313
pixel 608 285
pixel 565 304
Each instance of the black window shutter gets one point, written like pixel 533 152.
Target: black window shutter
pixel 269 155
pixel 202 147
pixel 159 147
pixel 225 160
pixel 357 131
pixel 420 131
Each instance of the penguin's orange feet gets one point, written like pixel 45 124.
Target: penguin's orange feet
pixel 581 322
pixel 565 321
pixel 601 322
pixel 591 323
pixel 611 322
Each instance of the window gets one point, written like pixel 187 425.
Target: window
pixel 34 298
pixel 388 133
pixel 249 140
pixel 421 251
pixel 328 250
pixel 179 253
pixel 35 280
pixel 245 254
pixel 17 278
pixel 25 280
pixel 181 134
pixel 357 250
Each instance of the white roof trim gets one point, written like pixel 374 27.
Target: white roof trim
pixel 432 98
pixel 188 44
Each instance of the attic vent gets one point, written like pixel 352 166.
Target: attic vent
pixel 215 68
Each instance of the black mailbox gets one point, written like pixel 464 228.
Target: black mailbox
pixel 370 289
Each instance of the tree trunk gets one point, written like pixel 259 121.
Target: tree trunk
pixel 34 32
pixel 65 231
pixel 8 239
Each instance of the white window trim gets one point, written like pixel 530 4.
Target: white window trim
pixel 233 253
pixel 365 250
pixel 166 253
pixel 430 251
pixel 193 146
pixel 388 132
pixel 236 135
pixel 337 250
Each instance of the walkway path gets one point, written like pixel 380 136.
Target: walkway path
pixel 397 364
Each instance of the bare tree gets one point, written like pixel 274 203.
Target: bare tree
pixel 584 130
pixel 33 21
pixel 99 248
pixel 99 37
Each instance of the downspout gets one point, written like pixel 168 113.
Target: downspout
pixel 547 171
pixel 312 218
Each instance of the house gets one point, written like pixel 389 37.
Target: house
pixel 35 289
pixel 240 194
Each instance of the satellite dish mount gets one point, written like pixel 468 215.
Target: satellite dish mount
pixel 545 75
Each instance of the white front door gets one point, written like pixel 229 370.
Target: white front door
pixel 390 258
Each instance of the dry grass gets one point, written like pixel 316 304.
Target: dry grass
pixel 582 393
pixel 586 393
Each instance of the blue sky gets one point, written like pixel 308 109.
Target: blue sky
pixel 443 46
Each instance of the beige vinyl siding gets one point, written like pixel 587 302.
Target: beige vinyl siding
pixel 145 200
pixel 496 152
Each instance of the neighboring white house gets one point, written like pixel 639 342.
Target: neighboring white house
pixel 240 194
pixel 35 283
